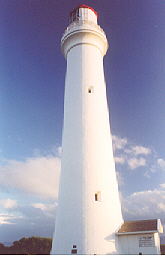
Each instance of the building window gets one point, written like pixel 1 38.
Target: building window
pixel 74 251
pixel 98 196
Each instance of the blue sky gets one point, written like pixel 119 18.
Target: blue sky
pixel 32 80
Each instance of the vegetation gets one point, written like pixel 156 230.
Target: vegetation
pixel 36 246
pixel 32 245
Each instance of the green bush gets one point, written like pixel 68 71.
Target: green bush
pixel 32 245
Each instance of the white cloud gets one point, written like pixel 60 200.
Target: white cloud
pixel 162 186
pixel 48 209
pixel 28 220
pixel 147 175
pixel 119 160
pixel 38 176
pixel 6 218
pixel 8 203
pixel 161 206
pixel 139 150
pixel 161 163
pixel 136 150
pixel 128 151
pixel 153 168
pixel 134 156
pixel 118 143
pixel 40 206
pixel 145 204
pixel 135 162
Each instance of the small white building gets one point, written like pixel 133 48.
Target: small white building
pixel 140 237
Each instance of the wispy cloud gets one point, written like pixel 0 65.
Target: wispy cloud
pixel 120 160
pixel 37 176
pixel 8 203
pixel 136 156
pixel 118 143
pixel 47 209
pixel 161 163
pixel 26 220
pixel 162 186
pixel 139 150
pixel 144 204
pixel 134 163
pixel 161 207
pixel 8 219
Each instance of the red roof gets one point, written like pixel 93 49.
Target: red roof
pixel 85 6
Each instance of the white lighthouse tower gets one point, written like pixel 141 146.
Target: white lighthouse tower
pixel 89 209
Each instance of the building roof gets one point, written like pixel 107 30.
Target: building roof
pixel 141 226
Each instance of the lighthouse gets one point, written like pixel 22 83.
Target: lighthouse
pixel 89 208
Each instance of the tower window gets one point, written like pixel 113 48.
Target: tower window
pixel 74 15
pixel 90 89
pixel 74 246
pixel 98 196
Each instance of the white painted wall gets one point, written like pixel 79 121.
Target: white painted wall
pixel 87 14
pixel 87 157
pixel 129 244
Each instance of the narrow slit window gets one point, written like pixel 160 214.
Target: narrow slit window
pixel 98 196
pixel 90 89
